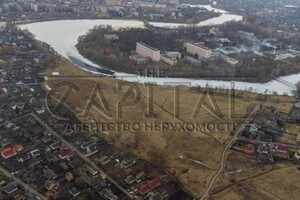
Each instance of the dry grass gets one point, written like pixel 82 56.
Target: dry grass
pixel 284 106
pixel 279 181
pixel 282 183
pixel 161 148
pixel 292 128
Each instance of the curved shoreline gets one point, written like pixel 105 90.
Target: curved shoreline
pixel 62 36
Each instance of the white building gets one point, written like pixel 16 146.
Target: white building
pixel 169 60
pixel 147 51
pixel 113 2
pixel 175 2
pixel 197 49
pixel 34 7
pixel 229 60
pixel 174 54
pixel 229 50
pixel 110 37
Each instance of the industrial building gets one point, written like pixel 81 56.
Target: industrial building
pixel 197 49
pixel 147 51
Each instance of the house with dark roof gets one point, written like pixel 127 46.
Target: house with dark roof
pixel 49 174
pixel 91 180
pixel 294 113
pixel 55 145
pixel 104 160
pixel 92 149
pixel 156 197
pixel 140 176
pixel 74 192
pixel 129 179
pixel 10 188
pixel 35 153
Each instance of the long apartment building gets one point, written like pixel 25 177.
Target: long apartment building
pixel 113 2
pixel 147 51
pixel 200 50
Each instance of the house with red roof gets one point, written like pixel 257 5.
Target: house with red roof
pixel 66 154
pixel 18 147
pixel 8 153
pixel 281 148
pixel 144 189
pixel 154 183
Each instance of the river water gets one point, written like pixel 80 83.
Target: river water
pixel 63 35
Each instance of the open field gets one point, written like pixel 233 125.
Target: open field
pixel 175 150
pixel 255 181
pixel 292 128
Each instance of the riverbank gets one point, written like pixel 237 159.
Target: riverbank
pixel 68 38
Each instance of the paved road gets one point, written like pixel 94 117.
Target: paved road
pixel 83 157
pixel 24 185
pixel 224 153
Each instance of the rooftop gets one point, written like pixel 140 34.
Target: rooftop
pixel 199 45
pixel 148 46
pixel 10 188
pixel 66 153
pixel 6 153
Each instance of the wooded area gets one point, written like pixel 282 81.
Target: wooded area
pixel 114 54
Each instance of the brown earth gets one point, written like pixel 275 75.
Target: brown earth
pixel 177 152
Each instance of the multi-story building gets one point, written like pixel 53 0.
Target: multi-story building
pixel 197 49
pixel 174 2
pixel 169 60
pixel 147 51
pixel 34 7
pixel 113 2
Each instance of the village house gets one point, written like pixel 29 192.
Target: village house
pixel 66 154
pixel 10 188
pixel 74 192
pixel 8 153
pixel 150 185
pixel 280 148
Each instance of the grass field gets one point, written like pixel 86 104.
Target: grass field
pixel 278 181
pixel 292 128
pixel 174 151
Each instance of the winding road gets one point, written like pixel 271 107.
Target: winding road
pixel 224 153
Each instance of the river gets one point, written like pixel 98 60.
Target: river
pixel 63 35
